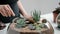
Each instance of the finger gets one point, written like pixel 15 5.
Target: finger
pixel 4 12
pixel 11 10
pixel 7 11
pixel 30 19
pixel 1 12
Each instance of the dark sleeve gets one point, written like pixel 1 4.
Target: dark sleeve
pixel 8 1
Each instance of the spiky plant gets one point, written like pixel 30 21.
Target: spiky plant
pixel 20 23
pixel 36 15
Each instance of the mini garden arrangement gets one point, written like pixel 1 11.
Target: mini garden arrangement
pixel 40 26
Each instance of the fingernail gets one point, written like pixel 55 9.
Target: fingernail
pixel 14 14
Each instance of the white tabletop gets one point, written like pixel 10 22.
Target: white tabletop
pixel 4 31
pixel 49 17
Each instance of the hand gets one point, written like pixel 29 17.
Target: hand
pixel 30 19
pixel 6 11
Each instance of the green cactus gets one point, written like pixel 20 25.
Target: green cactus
pixel 36 15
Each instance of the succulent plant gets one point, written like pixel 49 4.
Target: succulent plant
pixel 36 26
pixel 39 26
pixel 36 15
pixel 20 23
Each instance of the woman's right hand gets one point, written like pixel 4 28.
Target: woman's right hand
pixel 6 11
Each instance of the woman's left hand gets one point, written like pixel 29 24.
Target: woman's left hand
pixel 30 19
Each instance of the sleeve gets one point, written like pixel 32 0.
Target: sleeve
pixel 8 1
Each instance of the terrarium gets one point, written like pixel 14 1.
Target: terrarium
pixel 58 21
pixel 40 26
pixel 56 12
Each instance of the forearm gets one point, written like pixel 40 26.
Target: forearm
pixel 22 10
pixel 24 13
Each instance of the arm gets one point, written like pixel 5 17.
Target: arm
pixel 23 12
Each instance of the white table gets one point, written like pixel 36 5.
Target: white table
pixel 49 17
pixel 4 31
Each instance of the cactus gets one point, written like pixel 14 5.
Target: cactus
pixel 36 15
